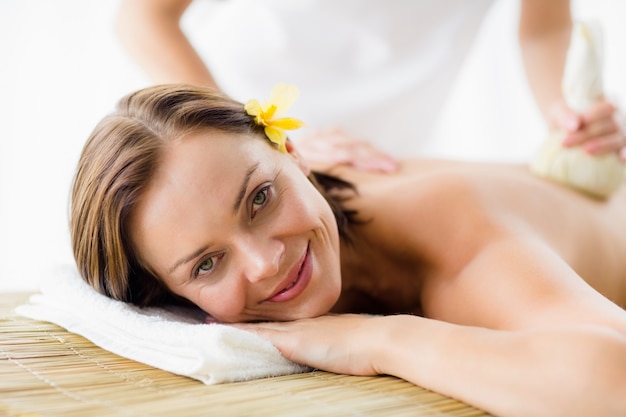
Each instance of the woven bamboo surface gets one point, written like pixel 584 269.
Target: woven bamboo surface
pixel 47 371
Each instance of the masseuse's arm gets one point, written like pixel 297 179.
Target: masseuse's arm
pixel 544 34
pixel 551 347
pixel 150 31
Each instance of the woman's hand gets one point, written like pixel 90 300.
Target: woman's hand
pixel 327 148
pixel 345 344
pixel 597 130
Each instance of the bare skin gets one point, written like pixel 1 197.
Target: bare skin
pixel 478 266
pixel 445 208
pixel 492 257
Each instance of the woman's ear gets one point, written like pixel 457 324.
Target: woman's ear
pixel 291 150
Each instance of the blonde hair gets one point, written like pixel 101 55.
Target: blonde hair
pixel 117 163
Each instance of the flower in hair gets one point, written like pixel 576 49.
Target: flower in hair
pixel 268 114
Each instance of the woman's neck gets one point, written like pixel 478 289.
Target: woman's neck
pixel 375 280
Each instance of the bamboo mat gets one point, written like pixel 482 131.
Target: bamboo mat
pixel 47 371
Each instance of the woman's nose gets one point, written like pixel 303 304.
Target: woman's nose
pixel 262 258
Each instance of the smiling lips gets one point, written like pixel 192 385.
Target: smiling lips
pixel 296 281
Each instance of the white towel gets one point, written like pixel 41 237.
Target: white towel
pixel 173 339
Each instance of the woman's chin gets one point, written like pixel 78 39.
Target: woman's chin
pixel 323 306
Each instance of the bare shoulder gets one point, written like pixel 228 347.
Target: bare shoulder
pixel 434 210
pixel 458 197
pixel 416 225
pixel 477 229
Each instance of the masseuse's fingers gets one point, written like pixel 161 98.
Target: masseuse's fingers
pixel 598 132
pixel 613 142
pixel 335 147
pixel 563 118
pixel 596 121
pixel 335 343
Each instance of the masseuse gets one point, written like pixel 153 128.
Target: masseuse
pixel 372 71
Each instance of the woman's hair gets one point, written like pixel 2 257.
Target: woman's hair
pixel 117 163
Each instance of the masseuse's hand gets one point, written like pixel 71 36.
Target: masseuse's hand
pixel 327 148
pixel 598 130
pixel 345 344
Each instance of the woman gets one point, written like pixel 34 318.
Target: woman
pixel 496 287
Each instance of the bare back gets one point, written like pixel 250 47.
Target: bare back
pixel 429 221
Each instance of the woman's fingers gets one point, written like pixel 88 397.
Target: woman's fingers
pixel 335 343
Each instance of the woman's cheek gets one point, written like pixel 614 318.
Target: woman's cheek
pixel 222 302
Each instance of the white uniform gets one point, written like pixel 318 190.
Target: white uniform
pixel 381 70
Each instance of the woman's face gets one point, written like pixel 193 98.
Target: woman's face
pixel 234 226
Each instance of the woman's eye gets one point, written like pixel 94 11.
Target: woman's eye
pixel 209 265
pixel 260 199
pixel 205 267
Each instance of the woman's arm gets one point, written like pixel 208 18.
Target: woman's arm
pixel 150 31
pixel 573 371
pixel 516 333
pixel 569 371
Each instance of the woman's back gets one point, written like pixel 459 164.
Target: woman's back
pixel 441 213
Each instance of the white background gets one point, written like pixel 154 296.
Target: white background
pixel 61 70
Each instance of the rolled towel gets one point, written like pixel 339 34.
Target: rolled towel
pixel 174 339
pixel 582 85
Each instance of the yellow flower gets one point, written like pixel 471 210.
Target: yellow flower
pixel 268 114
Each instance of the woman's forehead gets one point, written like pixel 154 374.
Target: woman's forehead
pixel 211 159
pixel 217 142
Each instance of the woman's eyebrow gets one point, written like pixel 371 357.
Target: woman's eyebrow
pixel 244 187
pixel 187 259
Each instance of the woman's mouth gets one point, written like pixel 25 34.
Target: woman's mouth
pixel 297 280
